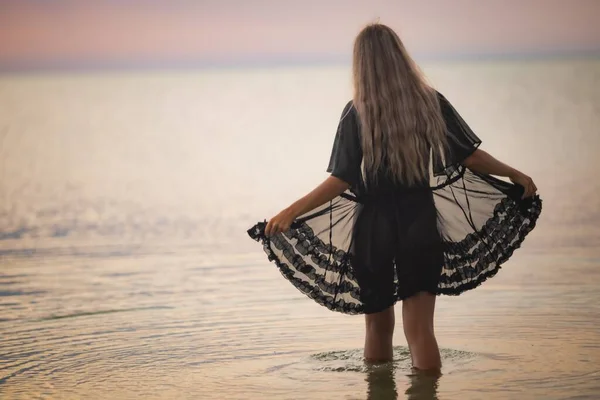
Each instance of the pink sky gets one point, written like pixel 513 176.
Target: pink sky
pixel 67 32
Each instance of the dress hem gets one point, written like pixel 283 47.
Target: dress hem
pixel 312 292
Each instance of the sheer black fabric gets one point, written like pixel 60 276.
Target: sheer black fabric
pixel 369 248
pixel 346 156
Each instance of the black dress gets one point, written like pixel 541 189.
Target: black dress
pixel 368 248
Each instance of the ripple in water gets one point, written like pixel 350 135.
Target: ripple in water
pixel 381 381
pixel 353 361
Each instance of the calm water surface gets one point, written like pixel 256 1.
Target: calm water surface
pixel 125 271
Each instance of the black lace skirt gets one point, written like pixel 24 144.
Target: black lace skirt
pixel 363 254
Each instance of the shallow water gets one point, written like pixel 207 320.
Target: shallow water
pixel 126 271
pixel 162 324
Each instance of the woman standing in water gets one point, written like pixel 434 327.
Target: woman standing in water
pixel 411 209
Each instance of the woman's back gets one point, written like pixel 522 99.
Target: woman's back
pixel 442 160
pixel 400 115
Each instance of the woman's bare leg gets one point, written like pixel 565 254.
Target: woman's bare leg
pixel 379 335
pixel 417 319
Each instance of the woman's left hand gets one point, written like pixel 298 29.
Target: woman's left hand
pixel 280 223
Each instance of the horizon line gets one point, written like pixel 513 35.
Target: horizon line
pixel 262 62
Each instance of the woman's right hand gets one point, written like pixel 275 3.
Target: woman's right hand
pixel 520 178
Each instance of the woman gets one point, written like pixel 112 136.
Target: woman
pixel 410 210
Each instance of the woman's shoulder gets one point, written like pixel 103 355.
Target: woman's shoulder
pixel 348 110
pixel 445 105
pixel 441 97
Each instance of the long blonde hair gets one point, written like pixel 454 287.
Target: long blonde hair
pixel 399 113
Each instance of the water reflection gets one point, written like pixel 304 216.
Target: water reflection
pixel 382 384
pixel 423 385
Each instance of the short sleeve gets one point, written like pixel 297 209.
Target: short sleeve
pixel 462 141
pixel 346 155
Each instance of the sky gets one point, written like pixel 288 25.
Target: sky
pixel 68 33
